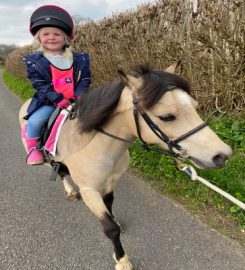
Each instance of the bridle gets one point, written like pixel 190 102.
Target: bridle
pixel 182 153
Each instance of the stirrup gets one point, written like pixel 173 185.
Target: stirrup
pixel 55 170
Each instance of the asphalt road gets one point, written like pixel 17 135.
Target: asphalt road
pixel 40 229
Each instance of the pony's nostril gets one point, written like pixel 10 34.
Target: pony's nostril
pixel 220 160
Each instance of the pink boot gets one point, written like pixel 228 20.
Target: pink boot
pixel 35 156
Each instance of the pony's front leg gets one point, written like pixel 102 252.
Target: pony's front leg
pixel 108 200
pixel 112 231
pixel 72 194
pixel 95 202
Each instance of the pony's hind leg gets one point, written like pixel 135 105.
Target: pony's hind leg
pixel 101 207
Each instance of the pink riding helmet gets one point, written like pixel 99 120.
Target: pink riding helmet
pixel 50 15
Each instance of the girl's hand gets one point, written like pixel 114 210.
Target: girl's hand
pixel 64 103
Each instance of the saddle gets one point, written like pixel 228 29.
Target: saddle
pixel 49 138
pixel 50 134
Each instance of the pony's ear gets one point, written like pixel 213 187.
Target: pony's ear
pixel 173 67
pixel 122 76
pixel 130 81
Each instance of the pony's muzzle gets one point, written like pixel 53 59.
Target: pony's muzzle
pixel 220 160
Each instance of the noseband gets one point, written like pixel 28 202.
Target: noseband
pixel 182 153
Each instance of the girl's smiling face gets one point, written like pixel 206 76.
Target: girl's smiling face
pixel 52 39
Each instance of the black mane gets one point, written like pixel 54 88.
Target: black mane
pixel 95 106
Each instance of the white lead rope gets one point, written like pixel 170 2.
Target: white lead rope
pixel 190 171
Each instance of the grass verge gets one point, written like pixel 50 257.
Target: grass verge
pixel 160 172
pixel 22 88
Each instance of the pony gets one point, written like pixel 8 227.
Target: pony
pixel 152 105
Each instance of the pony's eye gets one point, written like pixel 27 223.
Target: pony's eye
pixel 167 117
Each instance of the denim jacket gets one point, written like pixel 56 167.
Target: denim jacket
pixel 39 74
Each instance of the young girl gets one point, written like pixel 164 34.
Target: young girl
pixel 56 73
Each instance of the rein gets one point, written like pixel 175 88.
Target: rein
pixel 158 132
pixel 113 136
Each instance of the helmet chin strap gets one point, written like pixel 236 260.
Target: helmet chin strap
pixel 66 46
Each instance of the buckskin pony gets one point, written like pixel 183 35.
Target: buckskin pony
pixel 152 105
